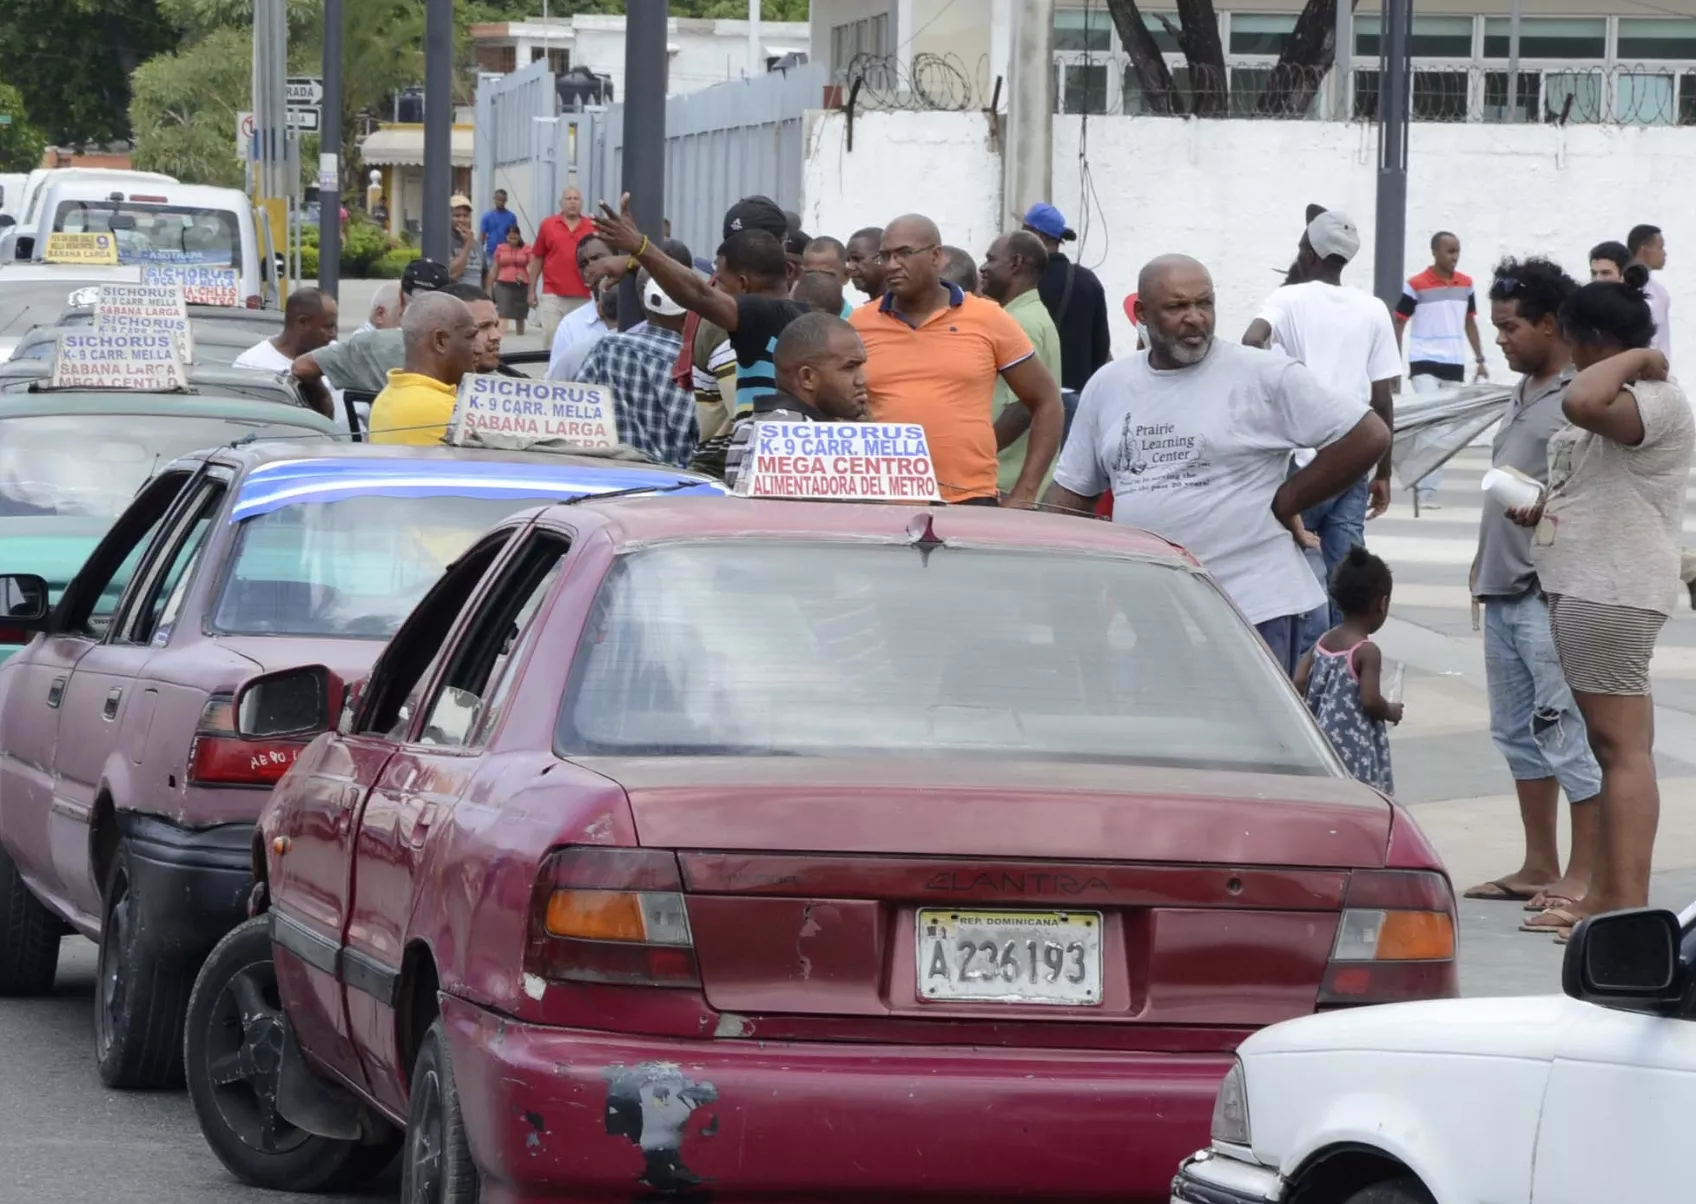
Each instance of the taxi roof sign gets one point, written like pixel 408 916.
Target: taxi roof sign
pixel 97 248
pixel 201 284
pixel 839 461
pixel 142 362
pixel 520 410
pixel 145 308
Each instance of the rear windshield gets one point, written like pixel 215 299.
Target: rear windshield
pixel 91 465
pixel 832 649
pixel 354 567
pixel 157 233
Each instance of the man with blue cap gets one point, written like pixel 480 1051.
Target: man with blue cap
pixel 1077 303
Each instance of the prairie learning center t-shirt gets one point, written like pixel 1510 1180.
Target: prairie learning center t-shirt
pixel 1195 454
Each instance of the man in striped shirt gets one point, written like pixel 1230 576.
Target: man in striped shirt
pixel 821 377
pixel 1440 312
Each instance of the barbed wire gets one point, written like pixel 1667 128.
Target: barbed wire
pixel 938 83
pixel 1620 94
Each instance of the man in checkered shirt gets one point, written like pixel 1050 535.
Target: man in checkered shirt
pixel 655 415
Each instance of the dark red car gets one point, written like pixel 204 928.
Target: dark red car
pixel 792 851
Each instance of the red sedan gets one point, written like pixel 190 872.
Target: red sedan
pixel 781 851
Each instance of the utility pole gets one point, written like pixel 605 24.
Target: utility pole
pixel 645 64
pixel 1513 61
pixel 756 56
pixel 438 128
pixel 271 127
pixel 1027 160
pixel 330 155
pixel 1343 69
pixel 1393 109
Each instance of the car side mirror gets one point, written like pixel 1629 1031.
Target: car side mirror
pixel 24 601
pixel 291 702
pixel 1626 960
pixel 6 219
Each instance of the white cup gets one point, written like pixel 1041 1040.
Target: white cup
pixel 1512 488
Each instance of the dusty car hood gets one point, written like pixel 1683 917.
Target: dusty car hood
pixel 1516 1027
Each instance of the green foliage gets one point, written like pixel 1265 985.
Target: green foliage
pixel 21 143
pixel 308 261
pixel 363 244
pixel 391 264
pixel 184 109
pixel 72 61
pixel 518 10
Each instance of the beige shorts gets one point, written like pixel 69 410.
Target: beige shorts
pixel 551 312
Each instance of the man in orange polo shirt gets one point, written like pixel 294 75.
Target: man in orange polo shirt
pixel 933 355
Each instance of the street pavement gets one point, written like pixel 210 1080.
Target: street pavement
pixel 64 1139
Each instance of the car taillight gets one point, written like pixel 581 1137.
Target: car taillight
pixel 14 635
pixel 613 916
pixel 1395 940
pixel 219 757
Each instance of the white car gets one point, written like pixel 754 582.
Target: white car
pixel 1581 1098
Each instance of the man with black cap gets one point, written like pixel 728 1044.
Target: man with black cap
pixel 1346 339
pixel 364 361
pixel 1077 303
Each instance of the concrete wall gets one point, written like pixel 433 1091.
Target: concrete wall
pixel 939 164
pixel 1232 193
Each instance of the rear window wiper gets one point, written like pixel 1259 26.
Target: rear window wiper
pixel 633 491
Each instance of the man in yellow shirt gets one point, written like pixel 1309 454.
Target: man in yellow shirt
pixel 440 334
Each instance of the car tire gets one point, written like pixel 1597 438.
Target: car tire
pixel 29 936
pixel 436 1166
pixel 140 996
pixel 1395 1191
pixel 231 1056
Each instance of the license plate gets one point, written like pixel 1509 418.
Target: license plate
pixel 1045 957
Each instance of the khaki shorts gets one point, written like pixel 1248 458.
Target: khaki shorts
pixel 551 312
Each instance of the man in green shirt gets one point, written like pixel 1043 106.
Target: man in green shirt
pixel 1010 274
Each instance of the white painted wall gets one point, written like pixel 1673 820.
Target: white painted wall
pixel 1232 194
pixel 703 52
pixel 938 164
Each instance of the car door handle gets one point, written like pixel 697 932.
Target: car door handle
pixel 421 825
pixel 55 692
pixel 110 710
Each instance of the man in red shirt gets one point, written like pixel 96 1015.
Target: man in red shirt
pixel 553 264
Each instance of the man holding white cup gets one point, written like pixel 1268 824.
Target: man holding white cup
pixel 1533 720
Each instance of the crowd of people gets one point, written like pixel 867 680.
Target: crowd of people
pixel 1265 457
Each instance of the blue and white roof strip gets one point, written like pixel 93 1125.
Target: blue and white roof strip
pixel 296 482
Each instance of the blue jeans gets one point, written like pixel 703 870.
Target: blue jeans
pixel 1283 637
pixel 1340 524
pixel 1533 720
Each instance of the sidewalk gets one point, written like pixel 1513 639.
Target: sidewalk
pixel 356 307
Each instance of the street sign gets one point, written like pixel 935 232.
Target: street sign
pixel 301 121
pixel 304 92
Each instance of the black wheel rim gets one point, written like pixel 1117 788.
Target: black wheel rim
pixel 427 1140
pixel 115 939
pixel 244 1054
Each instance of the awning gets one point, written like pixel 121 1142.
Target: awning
pixel 403 146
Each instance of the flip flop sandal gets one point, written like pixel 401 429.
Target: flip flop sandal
pixel 1554 921
pixel 1542 902
pixel 1499 891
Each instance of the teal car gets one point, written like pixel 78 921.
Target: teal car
pixel 70 463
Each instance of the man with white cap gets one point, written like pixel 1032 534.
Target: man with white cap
pixel 466 263
pixel 655 415
pixel 1346 339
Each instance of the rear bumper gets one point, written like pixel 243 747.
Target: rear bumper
pixel 192 883
pixel 1209 1178
pixel 554 1112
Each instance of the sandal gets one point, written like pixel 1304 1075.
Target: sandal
pixel 1499 891
pixel 1556 920
pixel 1545 902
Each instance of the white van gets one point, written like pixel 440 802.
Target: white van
pixel 160 223
pixel 12 186
pixel 28 204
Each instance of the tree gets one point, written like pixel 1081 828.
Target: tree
pixel 72 61
pixel 1291 85
pixel 21 143
pixel 184 108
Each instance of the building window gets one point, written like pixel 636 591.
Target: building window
pixel 1083 29
pixel 1082 88
pixel 1496 96
pixel 1548 37
pixel 1656 38
pixel 1433 37
pixel 502 59
pixel 1439 95
pixel 868 36
pixel 1260 33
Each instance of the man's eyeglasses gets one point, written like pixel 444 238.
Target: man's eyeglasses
pixel 1506 286
pixel 903 253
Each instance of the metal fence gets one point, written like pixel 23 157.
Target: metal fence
pixel 722 144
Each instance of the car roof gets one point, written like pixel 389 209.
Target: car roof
pixel 253 455
pixel 635 522
pixel 209 317
pixel 17 376
pixel 243 409
pixel 212 334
